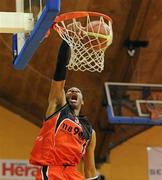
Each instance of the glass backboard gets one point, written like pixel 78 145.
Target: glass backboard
pixel 131 103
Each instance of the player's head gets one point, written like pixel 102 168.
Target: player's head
pixel 74 97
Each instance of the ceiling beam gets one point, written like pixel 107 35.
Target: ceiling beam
pixel 124 65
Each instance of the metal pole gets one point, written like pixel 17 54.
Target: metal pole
pixel 20 36
pixel 19 5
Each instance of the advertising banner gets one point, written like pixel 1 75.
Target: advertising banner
pixel 154 163
pixel 17 170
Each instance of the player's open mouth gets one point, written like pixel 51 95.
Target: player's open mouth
pixel 73 98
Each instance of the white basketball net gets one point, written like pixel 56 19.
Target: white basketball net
pixel 85 54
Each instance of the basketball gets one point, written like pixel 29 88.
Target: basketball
pixel 97 35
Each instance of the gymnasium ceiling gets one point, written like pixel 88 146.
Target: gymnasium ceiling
pixel 26 92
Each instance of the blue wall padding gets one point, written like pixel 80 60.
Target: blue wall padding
pixel 45 21
pixel 130 120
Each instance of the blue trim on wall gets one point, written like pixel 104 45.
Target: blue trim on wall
pixel 45 21
pixel 130 120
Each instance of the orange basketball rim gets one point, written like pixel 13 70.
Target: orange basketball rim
pixel 88 34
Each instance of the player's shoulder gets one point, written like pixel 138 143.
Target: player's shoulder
pixel 93 133
pixel 92 142
pixel 60 110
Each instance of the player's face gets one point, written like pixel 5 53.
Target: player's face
pixel 74 97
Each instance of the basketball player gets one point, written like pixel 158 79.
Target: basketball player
pixel 66 141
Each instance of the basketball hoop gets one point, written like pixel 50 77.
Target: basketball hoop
pixel 88 34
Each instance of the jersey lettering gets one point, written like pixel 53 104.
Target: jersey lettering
pixel 73 129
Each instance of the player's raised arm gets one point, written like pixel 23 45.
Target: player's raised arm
pixel 57 93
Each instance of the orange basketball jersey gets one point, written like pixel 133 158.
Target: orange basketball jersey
pixel 62 139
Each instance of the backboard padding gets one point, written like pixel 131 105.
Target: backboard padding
pixel 45 21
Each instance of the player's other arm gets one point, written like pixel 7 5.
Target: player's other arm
pixel 57 94
pixel 89 161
